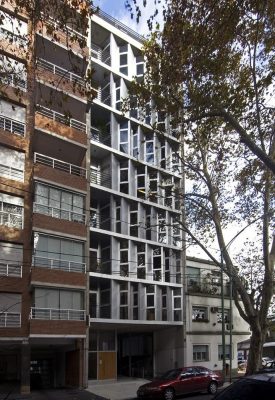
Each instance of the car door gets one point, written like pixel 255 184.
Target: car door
pixel 202 378
pixel 186 383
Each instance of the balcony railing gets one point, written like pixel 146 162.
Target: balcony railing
pixel 11 220
pixel 101 178
pixel 11 270
pixel 206 286
pixel 58 117
pixel 103 95
pixel 101 55
pixel 63 265
pixel 15 80
pixel 11 125
pixel 60 213
pixel 11 173
pixel 101 137
pixel 10 320
pixel 12 37
pixel 57 314
pixel 100 221
pixel 61 72
pixel 60 165
pixel 103 267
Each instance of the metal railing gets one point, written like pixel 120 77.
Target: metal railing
pixel 100 221
pixel 63 73
pixel 114 22
pixel 16 81
pixel 57 314
pixel 101 137
pixel 60 213
pixel 11 173
pixel 101 178
pixel 11 125
pixel 11 220
pixel 10 320
pixel 60 165
pixel 56 116
pixel 101 55
pixel 63 265
pixel 67 29
pixel 206 286
pixel 13 37
pixel 11 270
pixel 103 95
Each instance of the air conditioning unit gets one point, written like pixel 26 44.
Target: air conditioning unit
pixel 214 309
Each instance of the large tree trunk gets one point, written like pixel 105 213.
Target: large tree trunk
pixel 257 340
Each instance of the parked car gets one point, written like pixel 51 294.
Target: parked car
pixel 181 381
pixel 253 387
pixel 269 367
pixel 265 360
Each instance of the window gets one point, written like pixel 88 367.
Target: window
pixel 134 290
pixel 153 186
pixel 124 137
pixel 162 229
pixel 123 300
pixel 199 313
pixel 227 352
pixel 157 270
pixel 135 143
pixel 177 306
pixel 150 302
pixel 134 225
pixel 59 203
pixel 118 215
pixel 11 211
pixel 140 65
pixel 178 267
pixel 193 278
pixel 141 191
pixel 124 177
pixel 201 352
pixel 141 271
pixel 59 253
pixel 176 231
pixel 15 72
pixel 16 124
pixel 149 149
pixel 10 310
pixel 226 316
pixel 123 57
pixel 12 164
pixel 124 258
pixel 164 303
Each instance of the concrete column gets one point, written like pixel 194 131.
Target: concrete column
pixel 25 367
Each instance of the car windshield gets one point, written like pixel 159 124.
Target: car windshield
pixel 248 389
pixel 172 373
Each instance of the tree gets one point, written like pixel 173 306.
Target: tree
pixel 63 21
pixel 211 69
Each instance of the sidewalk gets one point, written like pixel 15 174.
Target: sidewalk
pixel 123 389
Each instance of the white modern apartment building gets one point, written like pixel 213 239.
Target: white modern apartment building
pixel 136 268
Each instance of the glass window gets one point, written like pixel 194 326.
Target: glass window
pixel 227 352
pixel 201 352
pixel 199 313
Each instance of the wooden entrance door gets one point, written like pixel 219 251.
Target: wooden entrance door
pixel 107 365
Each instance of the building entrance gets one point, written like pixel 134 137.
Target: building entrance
pixel 135 355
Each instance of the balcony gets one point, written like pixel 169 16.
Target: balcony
pixel 102 55
pixel 59 165
pixel 13 43
pixel 55 314
pixel 11 220
pixel 11 173
pixel 103 311
pixel 11 125
pixel 10 320
pixel 14 271
pixel 75 83
pixel 207 286
pixel 101 178
pixel 103 94
pixel 61 118
pixel 59 213
pixel 57 264
pixel 97 135
pixel 65 35
pixel 15 81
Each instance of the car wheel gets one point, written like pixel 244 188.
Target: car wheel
pixel 169 394
pixel 212 388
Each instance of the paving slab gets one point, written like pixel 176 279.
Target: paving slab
pixel 122 389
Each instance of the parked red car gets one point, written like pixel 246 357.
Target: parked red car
pixel 181 381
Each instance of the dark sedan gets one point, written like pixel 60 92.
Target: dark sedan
pixel 181 381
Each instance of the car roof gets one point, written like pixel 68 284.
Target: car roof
pixel 266 377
